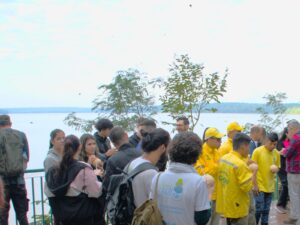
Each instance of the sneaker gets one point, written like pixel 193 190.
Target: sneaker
pixel 290 221
pixel 280 209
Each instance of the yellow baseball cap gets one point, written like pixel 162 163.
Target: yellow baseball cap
pixel 213 132
pixel 234 126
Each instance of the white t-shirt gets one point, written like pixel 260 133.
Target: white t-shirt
pixel 181 192
pixel 141 184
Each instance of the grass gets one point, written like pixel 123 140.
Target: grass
pixel 293 111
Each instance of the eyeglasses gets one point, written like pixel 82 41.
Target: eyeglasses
pixel 217 139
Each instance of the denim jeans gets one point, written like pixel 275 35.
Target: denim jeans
pixel 262 205
pixel 18 195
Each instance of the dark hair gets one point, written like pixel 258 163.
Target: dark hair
pixel 83 140
pixel 154 139
pixel 104 124
pixel 184 119
pixel 53 135
pixel 148 126
pixel 185 148
pixel 140 121
pixel 282 138
pixel 71 146
pixel 284 134
pixel 5 120
pixel 116 135
pixel 240 139
pixel 203 136
pixel 273 137
pixel 147 122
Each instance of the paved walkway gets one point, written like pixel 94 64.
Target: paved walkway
pixel 275 217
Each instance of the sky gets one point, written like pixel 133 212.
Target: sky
pixel 56 53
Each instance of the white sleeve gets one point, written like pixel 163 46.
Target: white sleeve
pixel 153 183
pixel 201 196
pixel 148 177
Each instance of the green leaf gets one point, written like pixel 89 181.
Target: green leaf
pixel 188 89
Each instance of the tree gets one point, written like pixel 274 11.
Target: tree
pixel 80 124
pixel 124 100
pixel 189 91
pixel 277 121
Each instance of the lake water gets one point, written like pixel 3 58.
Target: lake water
pixel 38 127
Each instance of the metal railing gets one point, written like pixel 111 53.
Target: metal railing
pixel 39 212
pixel 42 218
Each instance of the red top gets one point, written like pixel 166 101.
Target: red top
pixel 292 154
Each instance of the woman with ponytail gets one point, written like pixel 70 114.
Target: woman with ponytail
pixel 75 188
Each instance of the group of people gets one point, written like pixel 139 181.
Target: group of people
pixel 194 180
pixel 244 169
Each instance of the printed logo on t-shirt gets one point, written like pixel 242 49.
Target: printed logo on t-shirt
pixel 172 191
pixel 179 187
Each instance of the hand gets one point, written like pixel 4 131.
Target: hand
pixel 255 190
pixel 98 164
pixel 91 159
pixel 253 167
pixel 250 161
pixel 282 151
pixel 99 172
pixel 111 152
pixel 274 169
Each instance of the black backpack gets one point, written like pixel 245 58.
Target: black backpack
pixel 120 199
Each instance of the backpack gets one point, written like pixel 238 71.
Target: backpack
pixel 120 198
pixel 11 153
pixel 148 213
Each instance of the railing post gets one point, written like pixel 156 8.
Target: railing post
pixel 33 200
pixel 51 217
pixel 42 200
pixel 277 188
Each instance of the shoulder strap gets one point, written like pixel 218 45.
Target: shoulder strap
pixel 141 168
pixel 156 187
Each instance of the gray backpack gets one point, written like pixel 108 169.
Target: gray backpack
pixel 120 198
pixel 11 153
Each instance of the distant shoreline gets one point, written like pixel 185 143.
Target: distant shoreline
pixel 235 107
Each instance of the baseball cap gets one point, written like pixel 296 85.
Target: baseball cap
pixel 213 132
pixel 234 126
